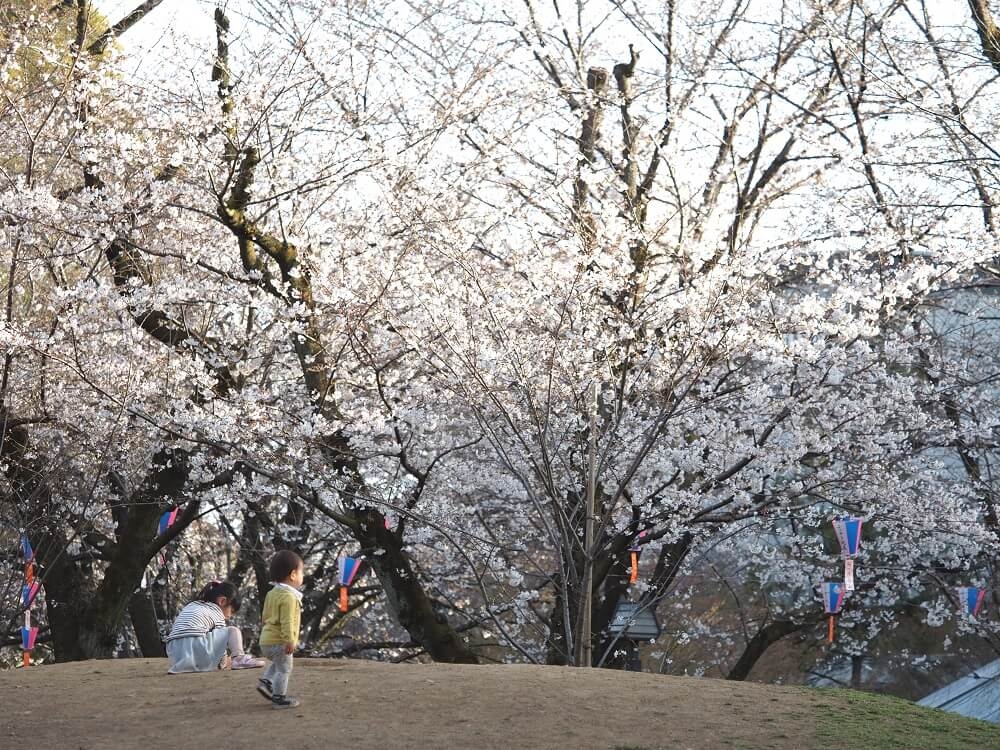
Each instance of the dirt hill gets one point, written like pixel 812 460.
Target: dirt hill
pixel 357 705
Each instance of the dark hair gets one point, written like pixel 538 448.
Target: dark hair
pixel 283 564
pixel 214 589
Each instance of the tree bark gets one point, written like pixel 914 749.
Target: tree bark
pixel 762 640
pixel 404 593
pixel 131 554
pixel 147 630
pixel 857 671
pixel 989 35
pixel 84 619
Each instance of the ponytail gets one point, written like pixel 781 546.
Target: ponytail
pixel 214 589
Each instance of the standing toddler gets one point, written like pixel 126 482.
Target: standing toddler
pixel 279 633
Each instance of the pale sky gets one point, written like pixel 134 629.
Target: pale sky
pixel 179 13
pixel 190 20
pixel 187 16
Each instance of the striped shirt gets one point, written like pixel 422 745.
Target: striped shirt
pixel 197 619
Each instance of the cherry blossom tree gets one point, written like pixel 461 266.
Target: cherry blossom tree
pixel 732 345
pixel 424 283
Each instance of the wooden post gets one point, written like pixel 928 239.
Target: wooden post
pixel 586 646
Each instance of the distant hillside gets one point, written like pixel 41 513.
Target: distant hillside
pixel 357 705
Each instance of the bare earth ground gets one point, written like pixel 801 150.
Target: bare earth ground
pixel 357 705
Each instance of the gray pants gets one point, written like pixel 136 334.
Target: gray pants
pixel 279 669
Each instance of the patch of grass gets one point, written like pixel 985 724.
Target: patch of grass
pixel 849 719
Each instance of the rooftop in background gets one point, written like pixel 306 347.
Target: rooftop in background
pixel 976 695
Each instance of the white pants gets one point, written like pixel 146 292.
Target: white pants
pixel 280 668
pixel 203 653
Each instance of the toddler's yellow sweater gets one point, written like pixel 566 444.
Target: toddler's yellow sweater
pixel 281 617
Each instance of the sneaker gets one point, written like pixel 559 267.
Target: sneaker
pixel 246 661
pixel 264 687
pixel 283 701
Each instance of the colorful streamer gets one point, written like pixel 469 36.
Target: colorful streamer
pixel 848 531
pixel 28 593
pixel 28 636
pixel 634 551
pixel 833 600
pixel 971 599
pixel 348 570
pixel 167 520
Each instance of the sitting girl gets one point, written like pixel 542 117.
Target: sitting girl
pixel 199 638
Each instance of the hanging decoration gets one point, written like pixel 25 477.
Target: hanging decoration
pixel 28 593
pixel 348 570
pixel 971 599
pixel 848 531
pixel 634 551
pixel 833 600
pixel 167 520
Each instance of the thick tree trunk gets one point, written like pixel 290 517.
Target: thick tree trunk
pixel 407 600
pixel 85 620
pixel 615 588
pixel 69 591
pixel 989 35
pixel 857 671
pixel 762 640
pixel 131 554
pixel 147 629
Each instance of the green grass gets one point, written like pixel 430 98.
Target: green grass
pixel 849 719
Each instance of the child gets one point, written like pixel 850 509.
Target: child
pixel 200 637
pixel 279 633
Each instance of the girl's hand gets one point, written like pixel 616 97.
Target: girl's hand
pixel 289 648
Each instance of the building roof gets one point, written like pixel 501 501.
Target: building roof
pixel 635 622
pixel 976 695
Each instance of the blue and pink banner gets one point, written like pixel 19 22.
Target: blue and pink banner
pixel 167 520
pixel 833 600
pixel 848 531
pixel 28 593
pixel 833 596
pixel 349 567
pixel 970 598
pixel 28 636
